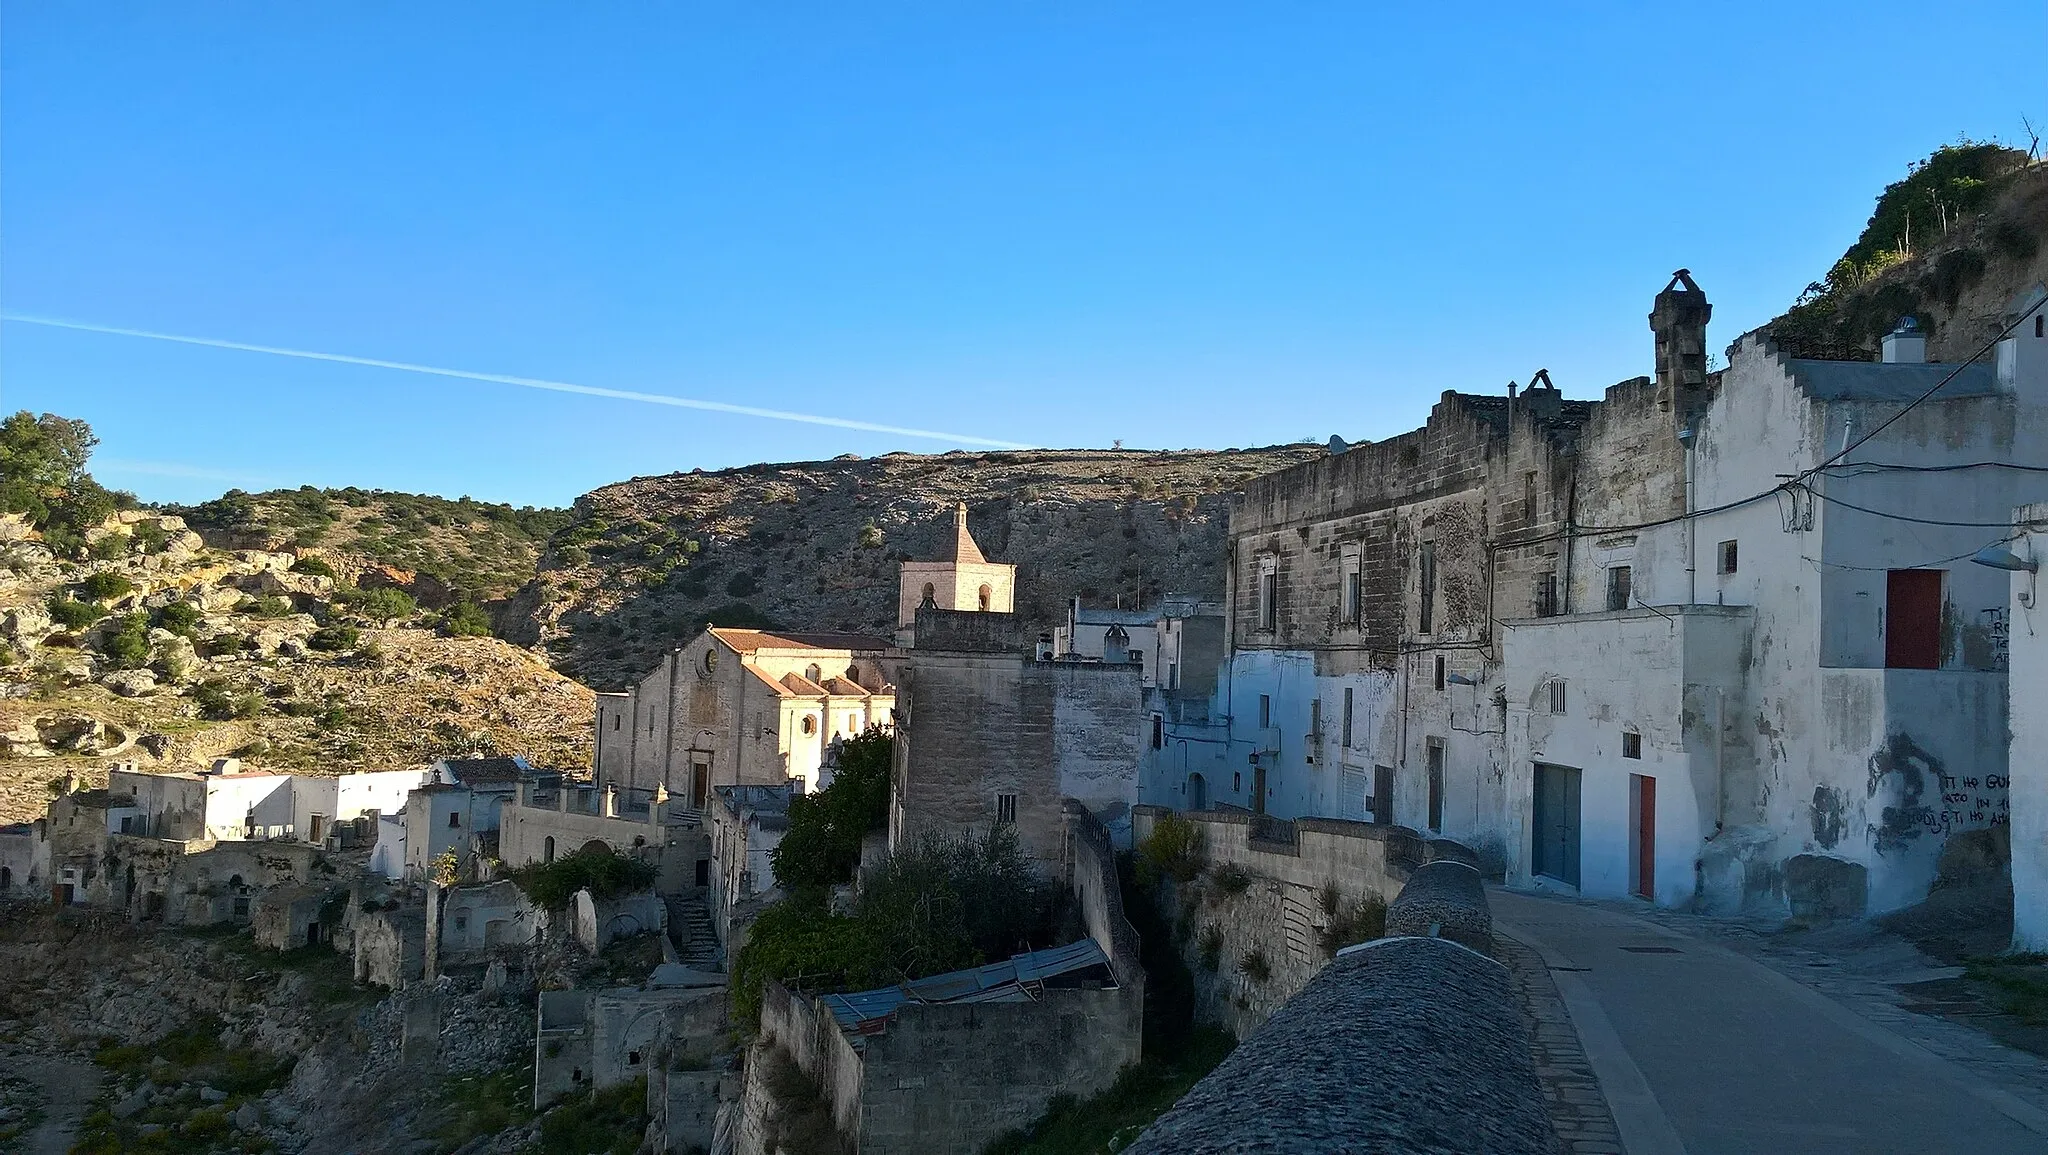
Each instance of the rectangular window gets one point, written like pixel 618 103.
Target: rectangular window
pixel 1315 726
pixel 454 819
pixel 1006 808
pixel 1529 496
pixel 1439 675
pixel 1173 675
pixel 1269 597
pixel 1557 695
pixel 615 723
pixel 1426 567
pixel 1354 588
pixel 1544 602
pixel 1912 619
pixel 1436 784
pixel 1727 559
pixel 1265 710
pixel 1158 731
pixel 1620 587
pixel 1347 717
pixel 1631 744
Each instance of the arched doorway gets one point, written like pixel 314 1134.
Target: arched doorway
pixel 1198 792
pixel 547 849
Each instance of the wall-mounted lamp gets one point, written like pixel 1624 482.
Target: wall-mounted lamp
pixel 1999 557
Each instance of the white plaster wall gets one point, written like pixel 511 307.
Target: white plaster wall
pixel 345 797
pixel 233 801
pixel 2029 761
pixel 387 858
pixel 1099 730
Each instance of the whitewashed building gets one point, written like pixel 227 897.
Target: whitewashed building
pixel 1714 639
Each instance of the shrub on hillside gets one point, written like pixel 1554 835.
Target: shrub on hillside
pixel 106 586
pixel 221 702
pixel 179 618
pixel 466 619
pixel 381 604
pixel 150 536
pixel 333 639
pixel 112 547
pixel 318 567
pixel 742 585
pixel 267 606
pixel 73 614
pixel 128 645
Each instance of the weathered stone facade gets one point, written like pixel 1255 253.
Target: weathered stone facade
pixel 995 735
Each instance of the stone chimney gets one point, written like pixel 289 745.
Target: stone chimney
pixel 1905 345
pixel 1679 320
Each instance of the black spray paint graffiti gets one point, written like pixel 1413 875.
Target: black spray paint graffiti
pixel 1827 816
pixel 1908 774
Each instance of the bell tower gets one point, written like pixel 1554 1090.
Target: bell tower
pixel 960 578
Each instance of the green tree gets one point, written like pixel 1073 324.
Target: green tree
pixel 73 614
pixel 334 638
pixel 313 565
pixel 41 459
pixel 179 617
pixel 822 844
pixel 105 586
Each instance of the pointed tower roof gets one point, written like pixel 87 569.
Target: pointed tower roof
pixel 964 552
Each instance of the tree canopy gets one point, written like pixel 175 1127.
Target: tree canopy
pixel 822 844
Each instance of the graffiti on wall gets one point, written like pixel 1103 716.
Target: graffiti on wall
pixel 1920 796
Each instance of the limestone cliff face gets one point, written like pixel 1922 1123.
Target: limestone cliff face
pixel 816 544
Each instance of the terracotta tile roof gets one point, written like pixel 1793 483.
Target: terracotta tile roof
pixel 797 683
pixel 843 687
pixel 749 641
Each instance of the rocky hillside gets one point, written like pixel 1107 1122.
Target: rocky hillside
pixel 169 652
pixel 1950 245
pixel 647 562
pixel 439 550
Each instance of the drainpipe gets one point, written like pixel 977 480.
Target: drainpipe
pixel 1571 525
pixel 1720 763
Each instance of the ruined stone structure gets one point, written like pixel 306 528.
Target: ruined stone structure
pixel 1675 642
pixel 926 1078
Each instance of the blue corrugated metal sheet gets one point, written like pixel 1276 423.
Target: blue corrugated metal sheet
pixel 867 1012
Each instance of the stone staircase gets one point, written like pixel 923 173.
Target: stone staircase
pixel 689 928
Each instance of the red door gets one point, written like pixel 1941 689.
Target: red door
pixel 1912 619
pixel 1646 835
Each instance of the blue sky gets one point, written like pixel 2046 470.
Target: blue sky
pixel 1063 225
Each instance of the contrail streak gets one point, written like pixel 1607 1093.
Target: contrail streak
pixel 527 383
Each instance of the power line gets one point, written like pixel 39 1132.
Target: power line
pixel 1904 517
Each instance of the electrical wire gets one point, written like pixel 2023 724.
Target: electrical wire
pixel 1887 467
pixel 1906 517
pixel 1819 564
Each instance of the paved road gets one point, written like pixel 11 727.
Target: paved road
pixel 1703 1051
pixel 68 1089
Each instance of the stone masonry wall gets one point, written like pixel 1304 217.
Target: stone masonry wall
pixel 1281 915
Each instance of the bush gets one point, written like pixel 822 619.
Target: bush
pixel 73 614
pixel 333 639
pixel 571 555
pixel 318 567
pixel 1363 921
pixel 106 586
pixel 1255 967
pixel 742 585
pixel 600 870
pixel 381 604
pixel 466 619
pixel 128 646
pixel 179 618
pixel 268 606
pixel 112 547
pixel 219 701
pixel 1173 850
pixel 151 536
pixel 822 844
pixel 799 936
pixel 1212 947
pixel 1231 878
pixel 871 536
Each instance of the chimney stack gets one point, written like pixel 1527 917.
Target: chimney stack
pixel 1905 345
pixel 1679 320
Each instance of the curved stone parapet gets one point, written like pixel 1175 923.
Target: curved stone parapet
pixel 1400 1045
pixel 1444 899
